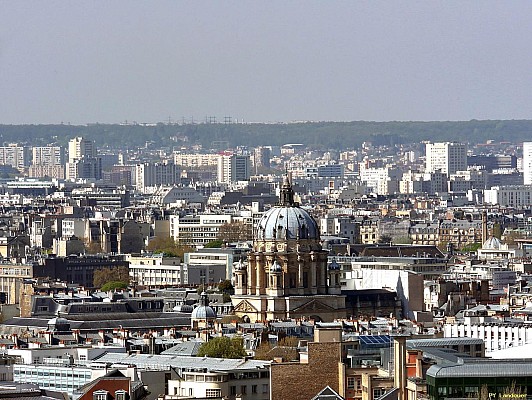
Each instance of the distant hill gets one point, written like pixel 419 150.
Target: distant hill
pixel 326 135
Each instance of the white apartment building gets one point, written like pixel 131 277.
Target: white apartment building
pixel 448 157
pixel 83 162
pixel 156 174
pixel 84 168
pixel 527 163
pixel 345 227
pixel 197 230
pixel 80 147
pixel 509 196
pixel 473 178
pixel 15 156
pixel 196 160
pixel 157 271
pixel 47 155
pixel 233 168
pixel 496 335
pixel 383 181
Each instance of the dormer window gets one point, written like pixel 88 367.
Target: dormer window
pixel 121 395
pixel 100 395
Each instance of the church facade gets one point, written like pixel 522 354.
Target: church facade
pixel 286 274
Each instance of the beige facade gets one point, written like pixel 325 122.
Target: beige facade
pixel 286 275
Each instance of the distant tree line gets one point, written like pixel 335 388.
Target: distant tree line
pixel 320 135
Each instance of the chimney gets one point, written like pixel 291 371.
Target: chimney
pixel 48 335
pixel 14 338
pixel 75 333
pixel 484 226
pixel 399 370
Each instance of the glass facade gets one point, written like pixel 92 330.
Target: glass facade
pixel 61 379
pixel 471 387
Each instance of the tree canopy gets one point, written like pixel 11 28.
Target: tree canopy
pixel 168 247
pixel 327 135
pixel 113 285
pixel 235 232
pixel 223 347
pixel 109 275
pixel 214 244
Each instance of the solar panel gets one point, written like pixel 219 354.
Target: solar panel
pixel 375 341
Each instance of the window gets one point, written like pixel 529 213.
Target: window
pixel 120 395
pixel 232 390
pixel 243 389
pixel 350 382
pixel 253 388
pixel 265 388
pixel 99 395
pixel 213 393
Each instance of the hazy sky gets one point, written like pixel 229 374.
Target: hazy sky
pixel 146 61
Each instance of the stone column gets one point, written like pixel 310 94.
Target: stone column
pixel 313 274
pixel 300 263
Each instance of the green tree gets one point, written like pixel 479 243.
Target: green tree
pixel 235 232
pixel 226 287
pixel 403 240
pixel 113 285
pixel 471 248
pixel 497 230
pixel 223 347
pixel 214 244
pixel 115 274
pixel 385 239
pixel 168 247
pixel 511 235
pixel 91 246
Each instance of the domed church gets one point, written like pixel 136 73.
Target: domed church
pixel 286 274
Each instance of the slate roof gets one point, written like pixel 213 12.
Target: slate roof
pixel 148 361
pixel 442 342
pixel 189 348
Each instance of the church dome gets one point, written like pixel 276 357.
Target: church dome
pixel 492 244
pixel 203 311
pixel 287 220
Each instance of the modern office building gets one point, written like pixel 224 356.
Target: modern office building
pixel 80 147
pixel 83 162
pixel 448 157
pixel 157 174
pixel 233 168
